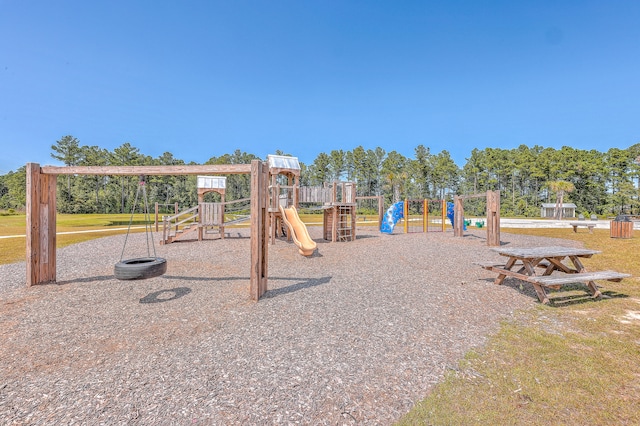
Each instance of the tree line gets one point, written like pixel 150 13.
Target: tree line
pixel 597 182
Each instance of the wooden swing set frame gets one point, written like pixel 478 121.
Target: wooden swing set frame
pixel 41 212
pixel 493 215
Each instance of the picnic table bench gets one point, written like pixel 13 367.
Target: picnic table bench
pixel 589 225
pixel 550 259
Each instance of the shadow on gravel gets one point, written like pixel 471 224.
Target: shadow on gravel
pixel 176 277
pixel 303 284
pixel 362 237
pixel 85 280
pixel 166 295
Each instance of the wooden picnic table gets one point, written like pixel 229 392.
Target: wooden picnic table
pixel 550 259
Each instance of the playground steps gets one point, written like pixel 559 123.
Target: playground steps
pixel 182 234
pixel 201 219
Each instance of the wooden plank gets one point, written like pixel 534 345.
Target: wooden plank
pixel 41 226
pixel 49 187
pixel 33 224
pixel 458 217
pixel 226 169
pixel 550 280
pixel 493 218
pixel 543 252
pixel 48 228
pixel 489 264
pixel 259 226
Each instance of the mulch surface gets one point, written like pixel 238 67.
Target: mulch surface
pixel 355 334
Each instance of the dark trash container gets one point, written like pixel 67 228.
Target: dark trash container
pixel 621 227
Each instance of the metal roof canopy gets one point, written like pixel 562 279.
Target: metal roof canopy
pixel 283 162
pixel 212 182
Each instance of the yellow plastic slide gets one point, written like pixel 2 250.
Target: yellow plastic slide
pixel 298 231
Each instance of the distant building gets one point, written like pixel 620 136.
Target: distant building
pixel 549 209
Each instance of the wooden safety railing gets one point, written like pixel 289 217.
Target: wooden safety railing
pixel 171 224
pixel 204 215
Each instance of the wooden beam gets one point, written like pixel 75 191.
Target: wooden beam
pixel 458 216
pixel 405 213
pixel 219 169
pixel 41 226
pixel 493 218
pixel 259 229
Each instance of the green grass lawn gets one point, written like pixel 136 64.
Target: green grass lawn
pixel 573 363
pixel 567 363
pixel 14 249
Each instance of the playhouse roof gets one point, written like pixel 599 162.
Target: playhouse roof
pixel 283 162
pixel 212 182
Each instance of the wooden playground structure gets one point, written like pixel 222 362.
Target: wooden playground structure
pixel 203 217
pixel 338 200
pixel 339 205
pixel 424 215
pixel 41 213
pixel 266 196
pixel 493 215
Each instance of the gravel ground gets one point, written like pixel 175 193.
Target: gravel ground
pixel 355 334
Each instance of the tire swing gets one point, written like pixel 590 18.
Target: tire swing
pixel 143 267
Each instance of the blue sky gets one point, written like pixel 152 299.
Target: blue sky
pixel 204 78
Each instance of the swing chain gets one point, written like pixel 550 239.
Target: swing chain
pixel 147 219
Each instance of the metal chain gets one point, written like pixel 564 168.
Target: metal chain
pixel 147 219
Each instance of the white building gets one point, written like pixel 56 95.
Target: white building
pixel 549 209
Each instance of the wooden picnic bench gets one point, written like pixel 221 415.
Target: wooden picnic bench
pixel 589 225
pixel 550 259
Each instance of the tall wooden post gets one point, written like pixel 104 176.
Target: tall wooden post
pixel 493 218
pixel 425 216
pixel 405 213
pixel 41 226
pixel 458 217
pixel 259 229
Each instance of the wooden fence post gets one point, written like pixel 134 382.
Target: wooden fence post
pixel 41 226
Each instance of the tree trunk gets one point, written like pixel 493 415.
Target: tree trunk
pixel 559 202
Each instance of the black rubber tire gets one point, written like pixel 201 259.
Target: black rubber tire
pixel 140 269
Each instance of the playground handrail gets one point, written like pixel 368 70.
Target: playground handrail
pixel 168 221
